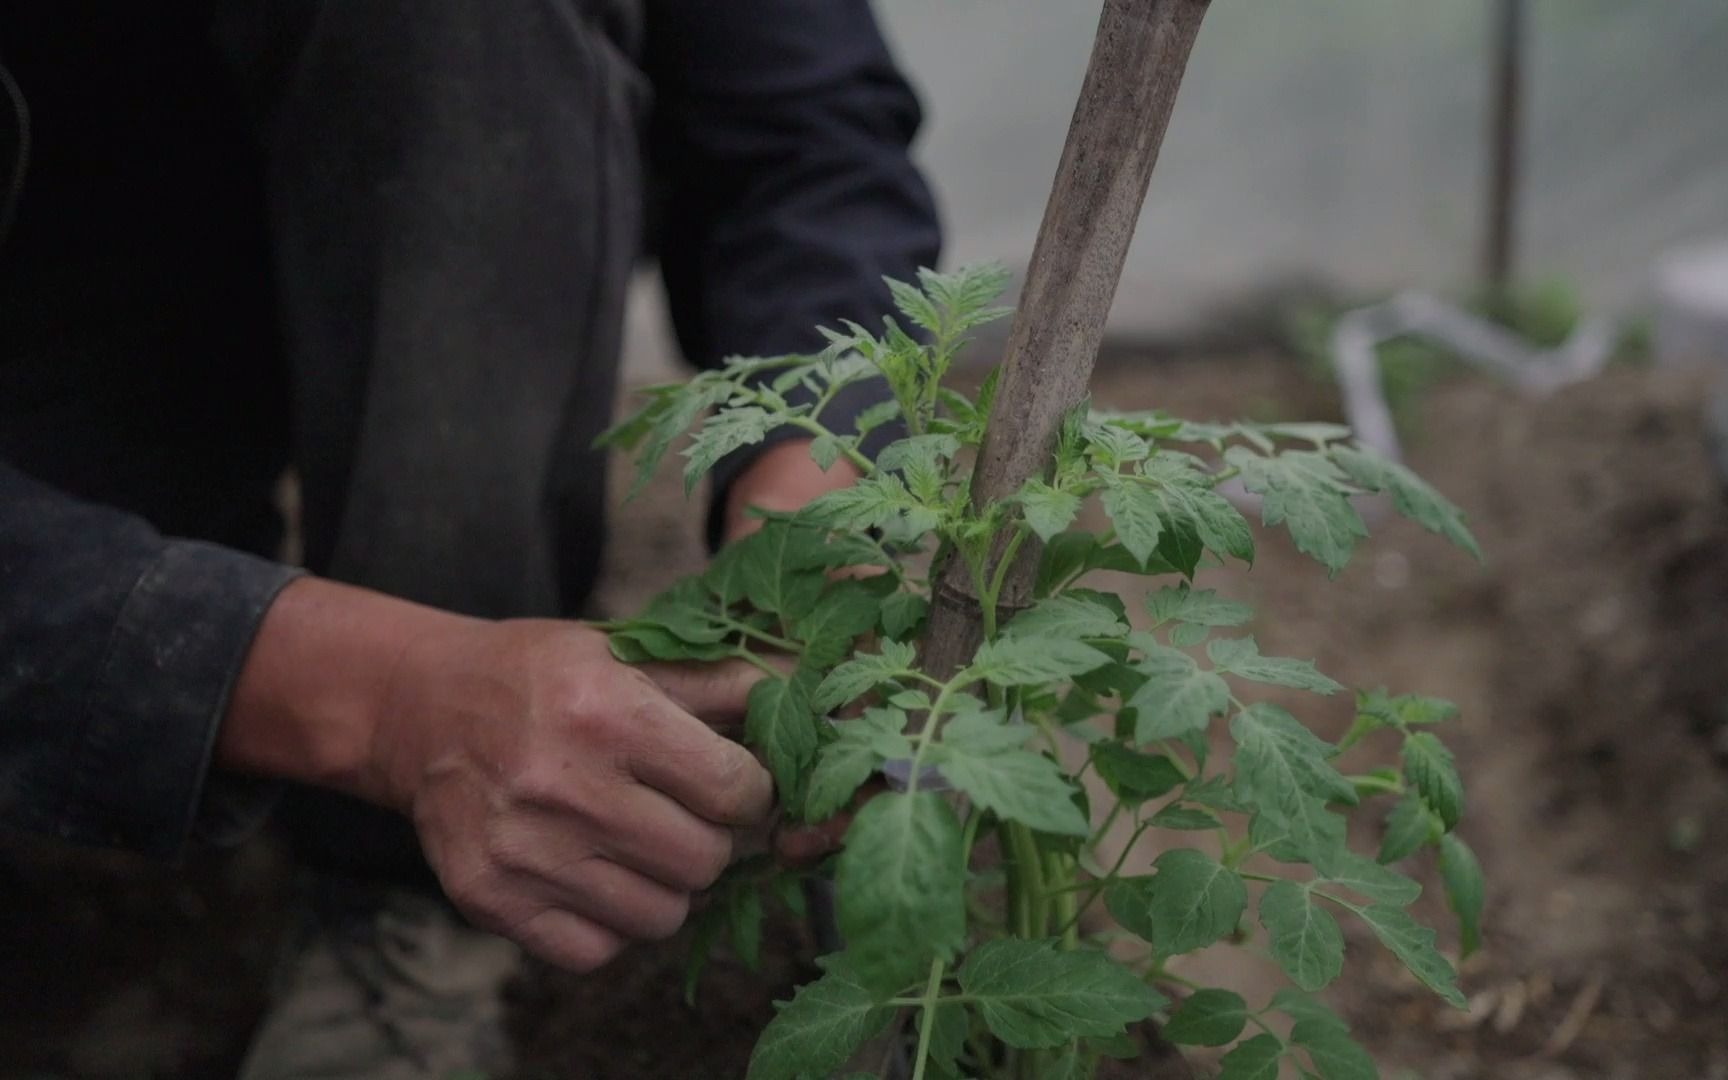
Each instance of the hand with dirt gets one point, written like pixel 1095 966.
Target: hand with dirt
pixel 565 800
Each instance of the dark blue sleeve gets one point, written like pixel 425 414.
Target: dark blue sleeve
pixel 781 133
pixel 118 649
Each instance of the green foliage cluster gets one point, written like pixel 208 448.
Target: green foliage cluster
pixel 988 955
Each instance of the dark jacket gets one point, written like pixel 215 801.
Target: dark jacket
pixel 169 270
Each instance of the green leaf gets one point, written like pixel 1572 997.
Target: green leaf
pixel 744 917
pixel 1378 709
pixel 1370 879
pixel 781 722
pixel 1115 446
pixel 914 305
pixel 780 568
pixel 1299 829
pixel 1177 697
pixel 727 430
pixel 1032 994
pixel 1048 510
pixel 900 888
pixel 1461 875
pixel 1204 607
pixel 1189 902
pixel 1413 943
pixel 1306 1008
pixel 1067 616
pixel 1428 768
pixel 846 611
pixel 1132 776
pixel 1412 496
pixel 1241 657
pixel 820 1028
pixel 1253 1059
pixel 1308 495
pixel 1334 1054
pixel 1029 661
pixel 705 926
pixel 1305 939
pixel 637 642
pixel 844 764
pixel 863 673
pixel 1187 818
pixel 825 450
pixel 1277 756
pixel 1410 825
pixel 1207 1018
pixel 1133 510
pixel 948 1026
pixel 982 756
pixel 902 612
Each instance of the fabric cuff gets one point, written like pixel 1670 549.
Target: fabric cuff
pixel 138 777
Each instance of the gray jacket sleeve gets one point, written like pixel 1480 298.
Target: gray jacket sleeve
pixel 118 650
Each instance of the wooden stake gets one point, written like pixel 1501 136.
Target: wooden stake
pixel 1119 122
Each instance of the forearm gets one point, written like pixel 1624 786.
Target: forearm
pixel 316 681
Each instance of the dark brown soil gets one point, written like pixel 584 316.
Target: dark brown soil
pixel 1590 655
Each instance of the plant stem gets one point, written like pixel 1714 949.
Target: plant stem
pixel 761 635
pixel 927 1024
pixel 817 428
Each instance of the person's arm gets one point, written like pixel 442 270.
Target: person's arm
pixel 564 799
pixel 118 651
pixel 781 133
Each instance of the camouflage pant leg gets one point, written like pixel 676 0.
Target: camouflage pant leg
pixel 405 992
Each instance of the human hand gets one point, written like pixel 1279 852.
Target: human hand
pixel 565 800
pixel 782 478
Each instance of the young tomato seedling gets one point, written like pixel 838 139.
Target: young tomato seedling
pixel 990 955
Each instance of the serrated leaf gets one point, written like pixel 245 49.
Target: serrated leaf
pixel 1132 776
pixel 829 629
pixel 1028 661
pixel 1412 496
pixel 825 450
pixel 1203 607
pixel 902 612
pixel 1133 510
pixel 863 673
pixel 1334 1054
pixel 1115 446
pixel 725 431
pixel 1308 495
pixel 1428 767
pixel 1048 510
pixel 1461 875
pixel 875 416
pixel 1305 939
pixel 984 757
pixel 914 305
pixel 1032 994
pixel 1207 1018
pixel 1253 1059
pixel 1187 818
pixel 818 1030
pixel 1067 616
pixel 1413 943
pixel 1410 825
pixel 1302 1007
pixel 899 884
pixel 780 568
pixel 1241 657
pixel 844 764
pixel 635 643
pixel 1177 697
pixel 1299 829
pixel 1370 879
pixel 1189 902
pixel 1276 756
pixel 1379 709
pixel 780 721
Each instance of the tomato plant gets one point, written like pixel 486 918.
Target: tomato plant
pixel 985 948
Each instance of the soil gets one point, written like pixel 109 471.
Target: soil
pixel 1590 655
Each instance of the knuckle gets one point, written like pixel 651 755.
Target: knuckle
pixel 711 857
pixel 669 919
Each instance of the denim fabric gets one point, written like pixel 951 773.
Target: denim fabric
pixel 385 242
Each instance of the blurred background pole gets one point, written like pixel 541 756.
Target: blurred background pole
pixel 1505 103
